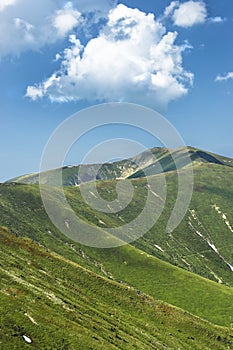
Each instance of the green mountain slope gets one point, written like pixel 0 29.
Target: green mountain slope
pixel 58 304
pixel 23 213
pixel 190 268
pixel 203 243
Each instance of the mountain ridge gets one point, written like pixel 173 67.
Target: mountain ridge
pixel 128 168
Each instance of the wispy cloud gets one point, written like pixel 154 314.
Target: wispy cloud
pixel 225 77
pixel 6 3
pixel 29 25
pixel 169 10
pixel 217 19
pixel 132 58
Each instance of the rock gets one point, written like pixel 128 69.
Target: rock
pixel 27 340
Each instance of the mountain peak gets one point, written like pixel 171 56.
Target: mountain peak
pixel 151 162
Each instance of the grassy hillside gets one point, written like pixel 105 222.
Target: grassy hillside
pixel 203 242
pixel 58 304
pixel 60 293
pixel 22 211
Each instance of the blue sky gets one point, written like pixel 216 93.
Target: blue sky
pixel 58 57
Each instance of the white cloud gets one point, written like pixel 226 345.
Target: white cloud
pixel 132 59
pixel 217 19
pixel 29 25
pixel 169 10
pixel 6 3
pixel 190 13
pixel 186 14
pixel 25 30
pixel 65 20
pixel 26 25
pixel 34 93
pixel 225 77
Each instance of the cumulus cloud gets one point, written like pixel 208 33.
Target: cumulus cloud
pixel 131 59
pixel 225 77
pixel 187 14
pixel 29 25
pixel 65 20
